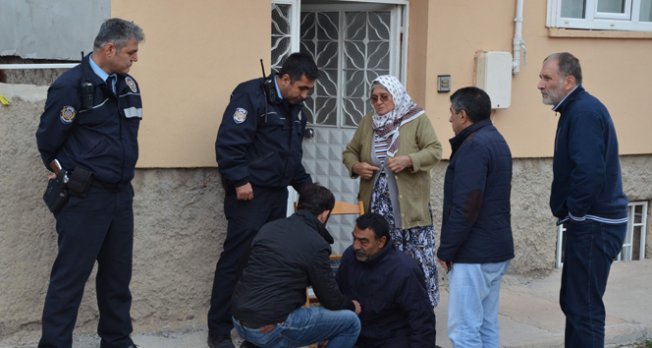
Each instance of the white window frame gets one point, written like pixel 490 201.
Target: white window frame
pixel 628 245
pixel 594 20
pixel 632 223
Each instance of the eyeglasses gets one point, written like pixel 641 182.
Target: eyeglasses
pixel 383 98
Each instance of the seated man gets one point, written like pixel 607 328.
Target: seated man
pixel 396 310
pixel 286 256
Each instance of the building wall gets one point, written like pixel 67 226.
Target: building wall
pixel 180 228
pixel 616 70
pixel 192 58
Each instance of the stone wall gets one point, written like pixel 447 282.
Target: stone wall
pixel 180 228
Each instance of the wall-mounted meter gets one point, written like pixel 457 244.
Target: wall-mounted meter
pixel 493 73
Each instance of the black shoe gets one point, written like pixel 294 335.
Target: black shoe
pixel 220 342
pixel 246 344
pixel 132 346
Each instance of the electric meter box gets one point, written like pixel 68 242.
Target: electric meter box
pixel 493 73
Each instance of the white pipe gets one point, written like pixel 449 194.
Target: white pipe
pixel 518 42
pixel 38 66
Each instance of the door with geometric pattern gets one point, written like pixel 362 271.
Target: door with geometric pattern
pixel 352 44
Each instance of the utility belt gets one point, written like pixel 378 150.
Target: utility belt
pixel 65 184
pixel 107 186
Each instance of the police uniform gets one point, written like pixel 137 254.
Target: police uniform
pixel 100 136
pixel 258 142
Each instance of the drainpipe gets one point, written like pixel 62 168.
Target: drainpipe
pixel 518 43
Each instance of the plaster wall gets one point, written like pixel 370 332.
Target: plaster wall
pixel 194 55
pixel 615 69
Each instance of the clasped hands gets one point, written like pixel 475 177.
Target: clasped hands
pixel 396 164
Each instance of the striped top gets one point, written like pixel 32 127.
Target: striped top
pixel 380 148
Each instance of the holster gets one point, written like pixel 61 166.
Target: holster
pixel 56 194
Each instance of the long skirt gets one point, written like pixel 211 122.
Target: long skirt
pixel 418 242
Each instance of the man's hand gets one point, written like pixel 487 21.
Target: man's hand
pixel 447 265
pixel 244 192
pixel 364 170
pixel 399 163
pixel 358 308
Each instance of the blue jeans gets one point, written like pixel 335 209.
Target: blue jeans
pixel 473 304
pixel 589 251
pixel 305 326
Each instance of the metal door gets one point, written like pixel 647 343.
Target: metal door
pixel 352 44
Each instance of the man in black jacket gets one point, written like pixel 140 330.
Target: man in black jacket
pixel 390 286
pixel 287 256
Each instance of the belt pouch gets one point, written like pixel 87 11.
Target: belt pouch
pixel 80 181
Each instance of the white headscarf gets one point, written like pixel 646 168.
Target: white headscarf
pixel 405 110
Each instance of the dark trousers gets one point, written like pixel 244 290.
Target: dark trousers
pixel 99 227
pixel 590 249
pixel 244 218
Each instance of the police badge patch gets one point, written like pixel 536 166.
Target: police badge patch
pixel 240 115
pixel 68 114
pixel 131 83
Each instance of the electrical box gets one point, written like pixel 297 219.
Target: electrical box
pixel 493 73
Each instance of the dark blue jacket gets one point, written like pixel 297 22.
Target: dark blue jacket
pixel 587 180
pixel 476 224
pixel 102 138
pixel 396 309
pixel 260 142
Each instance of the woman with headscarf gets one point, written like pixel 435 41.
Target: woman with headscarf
pixel 392 152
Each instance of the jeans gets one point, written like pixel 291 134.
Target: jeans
pixel 589 251
pixel 305 326
pixel 473 304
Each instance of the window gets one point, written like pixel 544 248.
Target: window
pixel 628 15
pixel 634 245
pixel 285 30
pixel 635 238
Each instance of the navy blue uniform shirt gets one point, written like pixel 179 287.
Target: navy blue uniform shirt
pixel 260 142
pixel 101 138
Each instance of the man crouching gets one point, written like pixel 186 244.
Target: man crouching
pixel 286 256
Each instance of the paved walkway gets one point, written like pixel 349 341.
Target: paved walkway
pixel 529 313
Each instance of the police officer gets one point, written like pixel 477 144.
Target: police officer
pixel 89 125
pixel 259 152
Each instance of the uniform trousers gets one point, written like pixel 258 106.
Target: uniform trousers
pixel 244 219
pixel 98 227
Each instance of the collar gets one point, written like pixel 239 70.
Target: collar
pixel 457 140
pixel 96 69
pixel 311 220
pixel 278 90
pixel 557 107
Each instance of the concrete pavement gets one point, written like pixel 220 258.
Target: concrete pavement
pixel 529 313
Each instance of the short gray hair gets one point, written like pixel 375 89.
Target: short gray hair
pixel 118 31
pixel 568 65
